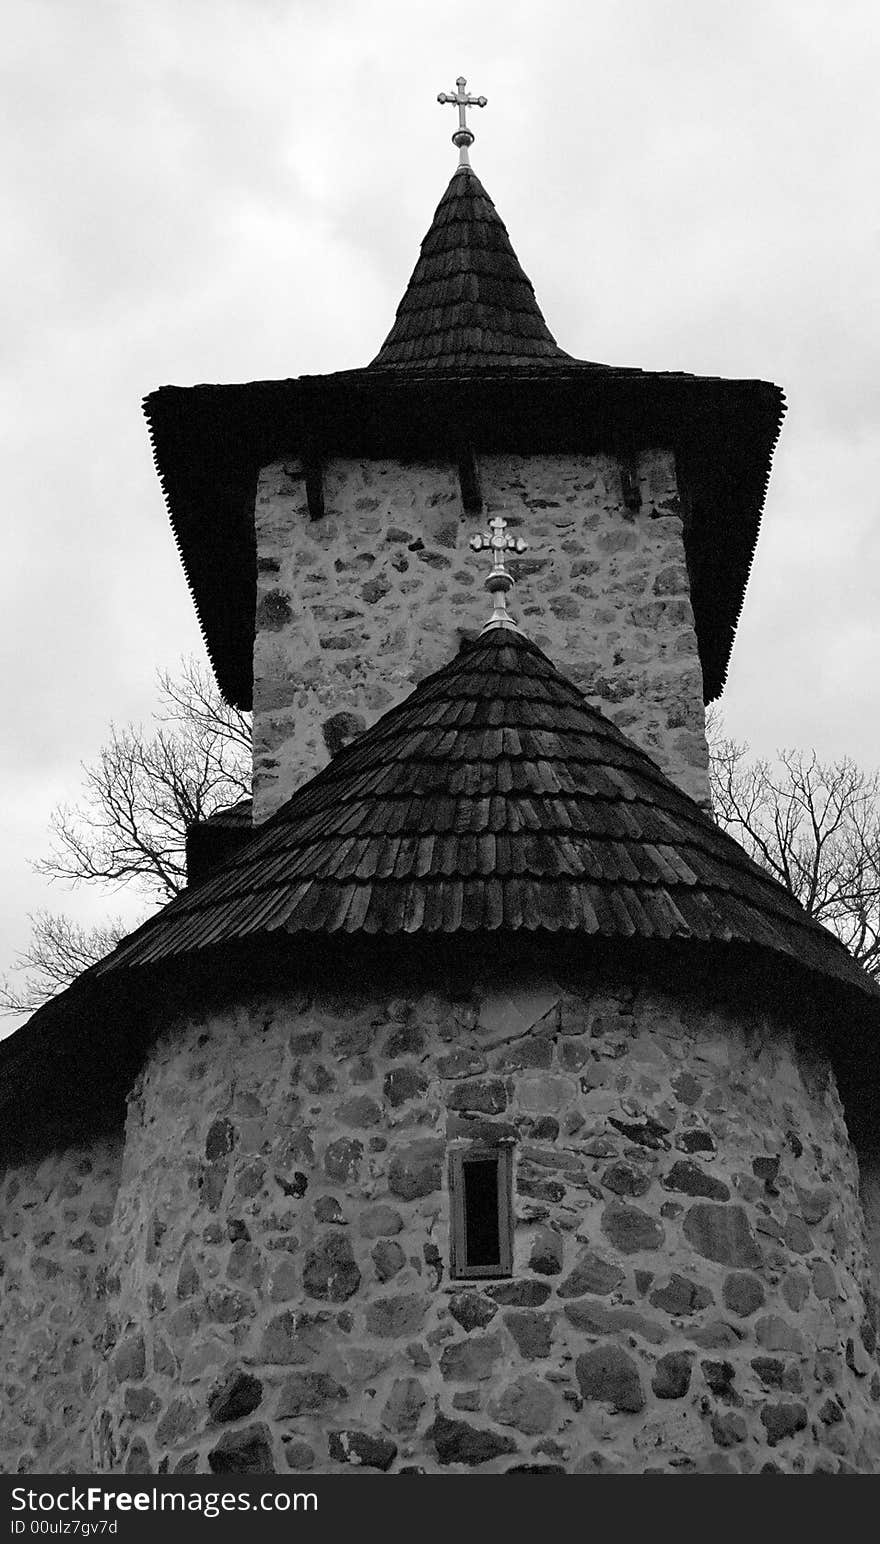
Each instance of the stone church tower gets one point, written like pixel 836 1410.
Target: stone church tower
pixel 480 1105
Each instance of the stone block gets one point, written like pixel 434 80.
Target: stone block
pixel 379 1221
pixel 244 1450
pixel 775 1334
pixel 631 1230
pixel 179 1421
pixel 547 1252
pixel 722 1233
pixel 307 1393
pixel 471 1360
pixel 403 1408
pixel 129 1361
pixel 396 1317
pixel 402 1084
pixel 607 1374
pixel 681 1297
pixel 672 1375
pixel 521 1294
pixel 458 1442
pixel 743 1294
pixel 416 1169
pixel 330 1270
pixel 528 1404
pixel 293 1339
pixel 532 1332
pixel 474 1311
pixel 485 1096
pixel 595 1318
pixel 388 1258
pixel 691 1180
pixel 362 1449
pixel 239 1394
pixel 782 1420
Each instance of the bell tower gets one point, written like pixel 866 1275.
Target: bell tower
pixel 324 520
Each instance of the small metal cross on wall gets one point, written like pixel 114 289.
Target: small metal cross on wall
pixel 499 579
pixel 463 136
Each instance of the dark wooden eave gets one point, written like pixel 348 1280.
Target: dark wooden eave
pixel 209 443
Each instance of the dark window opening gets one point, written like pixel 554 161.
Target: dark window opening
pixel 481 1232
pixel 480 1181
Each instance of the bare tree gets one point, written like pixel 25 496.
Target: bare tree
pixel 814 825
pixel 128 828
pixel 146 788
pixel 58 950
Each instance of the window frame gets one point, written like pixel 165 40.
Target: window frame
pixel 500 1153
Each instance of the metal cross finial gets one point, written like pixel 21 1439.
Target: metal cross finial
pixel 463 136
pixel 499 579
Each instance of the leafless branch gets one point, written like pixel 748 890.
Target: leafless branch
pixel 58 951
pixel 128 825
pixel 144 789
pixel 815 826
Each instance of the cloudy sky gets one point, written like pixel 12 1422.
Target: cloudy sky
pixel 223 190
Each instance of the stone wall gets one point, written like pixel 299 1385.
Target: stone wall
pixel 355 608
pixel 869 1190
pixel 690 1287
pixel 55 1215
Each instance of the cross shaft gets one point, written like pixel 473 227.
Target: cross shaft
pixel 499 579
pixel 463 136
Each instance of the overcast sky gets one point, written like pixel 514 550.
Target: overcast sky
pixel 227 190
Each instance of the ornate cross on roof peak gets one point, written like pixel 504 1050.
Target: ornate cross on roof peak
pixel 463 136
pixel 499 579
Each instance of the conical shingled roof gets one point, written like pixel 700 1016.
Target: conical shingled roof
pixel 468 303
pixel 494 798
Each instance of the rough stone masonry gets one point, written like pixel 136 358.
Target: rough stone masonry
pixel 355 608
pixel 262 1282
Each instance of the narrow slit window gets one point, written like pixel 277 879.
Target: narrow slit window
pixel 481 1186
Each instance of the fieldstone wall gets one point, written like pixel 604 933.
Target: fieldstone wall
pixel 355 608
pixel 869 1190
pixel 690 1290
pixel 55 1268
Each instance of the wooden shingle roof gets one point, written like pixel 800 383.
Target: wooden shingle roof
pixel 494 799
pixel 468 302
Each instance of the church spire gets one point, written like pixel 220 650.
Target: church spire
pixel 468 304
